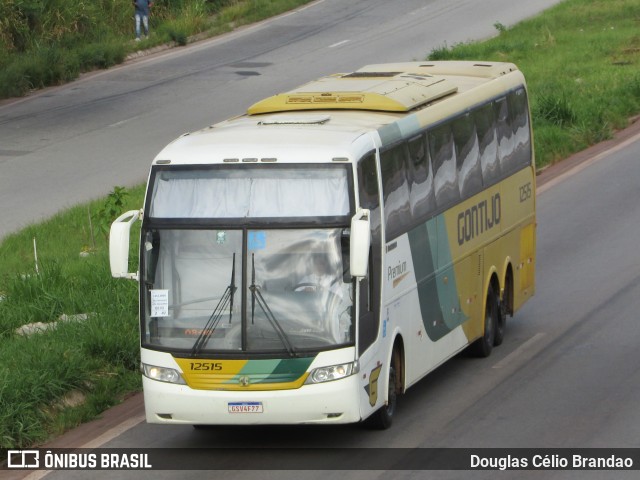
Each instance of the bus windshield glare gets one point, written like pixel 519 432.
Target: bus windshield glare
pixel 289 296
pixel 266 288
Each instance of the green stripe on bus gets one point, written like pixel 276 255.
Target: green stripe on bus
pixel 447 284
pixel 434 292
pixel 279 370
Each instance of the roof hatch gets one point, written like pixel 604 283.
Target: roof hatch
pixel 384 91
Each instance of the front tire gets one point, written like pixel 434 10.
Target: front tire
pixel 383 417
pixel 506 308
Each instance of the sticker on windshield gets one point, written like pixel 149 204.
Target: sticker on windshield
pixel 257 240
pixel 221 237
pixel 159 303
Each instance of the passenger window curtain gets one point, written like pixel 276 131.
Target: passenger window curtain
pixel 251 197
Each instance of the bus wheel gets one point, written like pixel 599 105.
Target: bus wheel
pixel 501 320
pixel 506 308
pixel 501 325
pixel 483 346
pixel 383 417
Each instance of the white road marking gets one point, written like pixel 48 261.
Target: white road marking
pixel 122 122
pixel 98 441
pixel 338 44
pixel 518 351
pixel 313 4
pixel 114 432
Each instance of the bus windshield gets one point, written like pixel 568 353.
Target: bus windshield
pixel 285 294
pixel 250 192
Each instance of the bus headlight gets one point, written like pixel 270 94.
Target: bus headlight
pixel 333 372
pixel 162 374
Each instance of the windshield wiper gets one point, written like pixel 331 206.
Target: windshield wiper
pixel 256 295
pixel 216 315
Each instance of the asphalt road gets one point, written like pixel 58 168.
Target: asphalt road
pixel 568 374
pixel 67 145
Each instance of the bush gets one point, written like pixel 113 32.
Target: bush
pixel 554 108
pixel 13 82
pixel 48 42
pixel 101 55
pixel 440 53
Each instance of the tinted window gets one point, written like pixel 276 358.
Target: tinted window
pixel 369 194
pixel 444 165
pixel 467 156
pixel 395 189
pixel 487 144
pixel 504 132
pixel 519 112
pixel 421 192
pixel 368 182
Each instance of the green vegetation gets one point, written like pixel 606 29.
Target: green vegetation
pixel 95 358
pixel 48 42
pixel 580 60
pixel 581 63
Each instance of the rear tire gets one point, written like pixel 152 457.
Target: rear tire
pixel 501 325
pixel 484 345
pixel 501 321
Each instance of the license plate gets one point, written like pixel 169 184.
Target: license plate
pixel 245 407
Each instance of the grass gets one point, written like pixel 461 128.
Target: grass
pixel 52 42
pixel 581 62
pixel 97 357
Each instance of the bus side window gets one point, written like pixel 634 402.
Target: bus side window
pixel 395 188
pixel 369 305
pixel 421 193
pixel 443 156
pixel 467 156
pixel 505 136
pixel 488 145
pixel 519 113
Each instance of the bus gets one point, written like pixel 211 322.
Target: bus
pixel 310 260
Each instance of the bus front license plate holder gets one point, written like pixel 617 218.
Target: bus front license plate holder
pixel 245 407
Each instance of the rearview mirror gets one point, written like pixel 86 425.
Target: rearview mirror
pixel 119 245
pixel 360 243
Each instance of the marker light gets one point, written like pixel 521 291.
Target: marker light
pixel 333 372
pixel 162 374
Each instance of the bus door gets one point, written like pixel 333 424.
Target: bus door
pixel 369 347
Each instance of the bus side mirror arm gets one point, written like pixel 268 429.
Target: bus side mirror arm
pixel 119 244
pixel 360 243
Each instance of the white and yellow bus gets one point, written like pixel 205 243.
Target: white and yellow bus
pixel 311 260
